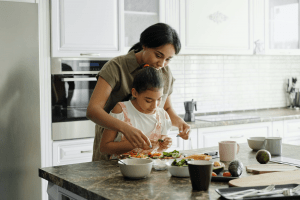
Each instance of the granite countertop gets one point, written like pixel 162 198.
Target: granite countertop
pixel 103 179
pixel 265 115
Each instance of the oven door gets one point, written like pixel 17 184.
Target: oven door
pixel 70 97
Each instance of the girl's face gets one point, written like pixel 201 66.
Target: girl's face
pixel 147 101
pixel 158 57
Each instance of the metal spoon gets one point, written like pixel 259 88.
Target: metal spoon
pixel 122 162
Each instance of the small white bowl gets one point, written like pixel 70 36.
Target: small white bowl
pixel 256 143
pixel 136 168
pixel 178 171
pixel 159 164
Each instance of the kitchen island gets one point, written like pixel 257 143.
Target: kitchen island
pixel 103 180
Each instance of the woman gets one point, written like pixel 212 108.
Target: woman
pixel 158 44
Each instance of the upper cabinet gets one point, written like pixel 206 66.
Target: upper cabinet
pixel 81 28
pixel 138 15
pixel 282 27
pixel 216 26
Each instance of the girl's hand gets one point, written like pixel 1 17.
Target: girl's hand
pixel 167 143
pixel 137 138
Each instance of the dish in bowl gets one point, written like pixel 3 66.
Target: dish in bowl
pixel 135 168
pixel 178 168
pixel 256 143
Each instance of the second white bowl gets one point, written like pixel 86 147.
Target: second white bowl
pixel 256 143
pixel 178 171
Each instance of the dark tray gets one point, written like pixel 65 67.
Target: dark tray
pixel 296 195
pixel 221 178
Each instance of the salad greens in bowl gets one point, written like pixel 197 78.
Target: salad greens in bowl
pixel 179 168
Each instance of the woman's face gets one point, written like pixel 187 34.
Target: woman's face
pixel 158 57
pixel 147 101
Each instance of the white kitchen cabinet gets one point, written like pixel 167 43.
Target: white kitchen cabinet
pixel 67 152
pixel 82 28
pixel 208 137
pixel 138 15
pixel 291 133
pixel 216 26
pixel 282 27
pixel 180 144
pixel 278 128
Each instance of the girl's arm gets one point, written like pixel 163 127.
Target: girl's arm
pixel 107 145
pixel 97 114
pixel 184 128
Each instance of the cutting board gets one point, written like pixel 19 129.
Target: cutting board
pixel 267 168
pixel 277 178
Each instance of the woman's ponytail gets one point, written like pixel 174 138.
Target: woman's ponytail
pixel 137 47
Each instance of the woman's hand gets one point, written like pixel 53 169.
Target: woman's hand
pixel 137 138
pixel 184 128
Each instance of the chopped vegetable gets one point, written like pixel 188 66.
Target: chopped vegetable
pixel 227 174
pixel 213 174
pixel 169 154
pixel 160 140
pixel 181 163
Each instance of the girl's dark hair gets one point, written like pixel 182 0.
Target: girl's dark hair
pixel 157 35
pixel 148 78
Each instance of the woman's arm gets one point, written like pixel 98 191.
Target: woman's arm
pixel 184 128
pixel 97 114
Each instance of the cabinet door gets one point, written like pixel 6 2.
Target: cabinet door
pixel 72 151
pixel 216 26
pixel 291 128
pixel 138 15
pixel 239 133
pixel 86 28
pixel 282 27
pixel 177 142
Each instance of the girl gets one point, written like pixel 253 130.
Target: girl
pixel 143 113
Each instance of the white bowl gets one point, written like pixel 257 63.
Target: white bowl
pixel 256 143
pixel 159 164
pixel 135 168
pixel 178 171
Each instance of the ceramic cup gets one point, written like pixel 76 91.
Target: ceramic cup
pixel 228 150
pixel 273 145
pixel 200 174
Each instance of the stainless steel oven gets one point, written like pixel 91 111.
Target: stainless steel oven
pixel 72 84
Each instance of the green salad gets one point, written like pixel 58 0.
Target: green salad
pixel 181 163
pixel 170 154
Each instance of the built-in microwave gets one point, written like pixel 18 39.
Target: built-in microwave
pixel 72 84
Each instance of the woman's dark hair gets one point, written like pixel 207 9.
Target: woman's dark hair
pixel 148 78
pixel 158 35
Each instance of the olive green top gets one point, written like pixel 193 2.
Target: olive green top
pixel 119 74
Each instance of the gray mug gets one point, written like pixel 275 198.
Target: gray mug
pixel 273 145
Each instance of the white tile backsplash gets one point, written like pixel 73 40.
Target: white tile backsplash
pixel 229 83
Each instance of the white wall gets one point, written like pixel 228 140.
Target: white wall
pixel 228 83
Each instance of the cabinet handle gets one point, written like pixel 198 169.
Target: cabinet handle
pixel 239 136
pixel 89 151
pixel 89 54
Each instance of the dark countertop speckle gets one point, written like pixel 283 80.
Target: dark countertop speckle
pixel 103 180
pixel 265 115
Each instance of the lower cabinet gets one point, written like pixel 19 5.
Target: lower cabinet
pixel 208 137
pixel 291 134
pixel 72 151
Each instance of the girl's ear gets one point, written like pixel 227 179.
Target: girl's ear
pixel 134 92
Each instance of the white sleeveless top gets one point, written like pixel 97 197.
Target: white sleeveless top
pixel 145 122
